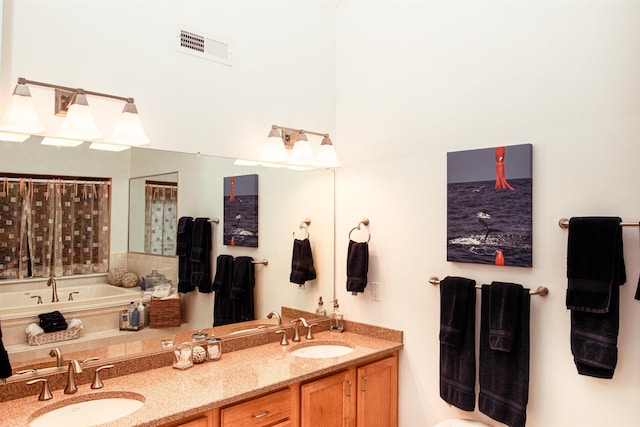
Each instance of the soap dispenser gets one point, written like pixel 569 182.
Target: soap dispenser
pixel 336 319
pixel 320 310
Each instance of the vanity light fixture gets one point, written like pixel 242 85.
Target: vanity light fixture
pixel 289 147
pixel 21 119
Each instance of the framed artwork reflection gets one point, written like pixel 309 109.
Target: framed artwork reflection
pixel 241 211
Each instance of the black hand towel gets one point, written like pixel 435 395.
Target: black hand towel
pixel 5 365
pixel 457 342
pixel 302 268
pixel 52 322
pixel 357 266
pixel 594 339
pixel 504 315
pixel 223 306
pixel 200 255
pixel 242 289
pixel 594 262
pixel 504 376
pixel 183 250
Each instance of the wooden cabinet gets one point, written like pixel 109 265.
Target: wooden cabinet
pixel 328 401
pixel 377 394
pixel 363 396
pixel 273 409
pixel 206 419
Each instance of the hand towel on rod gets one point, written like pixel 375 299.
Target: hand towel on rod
pixel 357 266
pixel 223 305
pixel 183 250
pixel 201 255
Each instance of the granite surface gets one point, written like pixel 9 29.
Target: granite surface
pixel 170 394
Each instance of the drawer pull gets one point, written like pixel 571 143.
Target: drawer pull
pixel 364 383
pixel 264 414
pixel 350 388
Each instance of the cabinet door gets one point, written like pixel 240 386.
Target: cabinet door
pixel 269 410
pixel 327 401
pixel 378 394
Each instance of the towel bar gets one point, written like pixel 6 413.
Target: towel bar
pixel 262 261
pixel 542 290
pixel 215 220
pixel 564 223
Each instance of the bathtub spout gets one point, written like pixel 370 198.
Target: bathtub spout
pixel 55 352
pixel 54 289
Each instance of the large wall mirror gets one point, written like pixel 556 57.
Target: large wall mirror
pixel 286 199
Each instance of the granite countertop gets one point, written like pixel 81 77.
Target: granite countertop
pixel 171 394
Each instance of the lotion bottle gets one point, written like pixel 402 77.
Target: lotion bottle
pixel 320 310
pixel 336 319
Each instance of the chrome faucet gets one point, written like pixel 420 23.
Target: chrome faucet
pixel 54 289
pixel 296 333
pixel 74 368
pixel 55 352
pixel 275 313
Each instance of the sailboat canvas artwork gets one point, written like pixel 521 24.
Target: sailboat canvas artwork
pixel 241 211
pixel 489 206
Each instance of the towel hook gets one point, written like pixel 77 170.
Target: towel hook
pixel 304 226
pixel 365 222
pixel 541 290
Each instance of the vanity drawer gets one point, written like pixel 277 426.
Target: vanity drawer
pixel 268 410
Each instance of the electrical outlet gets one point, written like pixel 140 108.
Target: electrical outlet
pixel 375 291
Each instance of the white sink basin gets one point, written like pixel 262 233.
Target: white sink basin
pixel 96 409
pixel 322 351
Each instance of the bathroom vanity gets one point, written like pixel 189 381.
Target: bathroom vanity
pixel 263 385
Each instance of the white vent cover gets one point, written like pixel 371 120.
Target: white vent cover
pixel 204 47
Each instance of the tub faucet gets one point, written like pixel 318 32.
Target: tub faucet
pixel 54 289
pixel 275 313
pixel 55 352
pixel 74 368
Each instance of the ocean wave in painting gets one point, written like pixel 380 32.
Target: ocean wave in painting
pixel 482 221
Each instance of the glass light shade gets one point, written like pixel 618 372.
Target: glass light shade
pixel 108 147
pixel 301 153
pixel 21 116
pixel 79 123
pixel 273 151
pixel 129 130
pixel 61 142
pixel 326 157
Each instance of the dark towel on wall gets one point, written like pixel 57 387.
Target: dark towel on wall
pixel 242 289
pixel 594 262
pixel 200 255
pixel 223 305
pixel 183 250
pixel 457 342
pixel 357 266
pixel 504 375
pixel 5 365
pixel 595 270
pixel 302 268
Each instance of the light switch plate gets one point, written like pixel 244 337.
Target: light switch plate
pixel 375 291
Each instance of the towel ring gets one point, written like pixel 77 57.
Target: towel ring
pixel 304 226
pixel 365 222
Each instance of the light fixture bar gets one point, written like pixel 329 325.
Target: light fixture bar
pixel 22 80
pixel 299 130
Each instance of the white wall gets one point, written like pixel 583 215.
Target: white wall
pixel 416 80
pixel 403 83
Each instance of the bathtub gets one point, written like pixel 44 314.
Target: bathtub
pixel 21 303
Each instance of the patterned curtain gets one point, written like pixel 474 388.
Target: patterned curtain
pixel 63 228
pixel 160 218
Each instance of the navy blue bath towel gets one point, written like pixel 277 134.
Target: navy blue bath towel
pixel 242 289
pixel 183 250
pixel 504 364
pixel 595 270
pixel 223 305
pixel 457 342
pixel 200 255
pixel 302 268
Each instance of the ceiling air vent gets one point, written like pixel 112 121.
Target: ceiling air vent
pixel 204 47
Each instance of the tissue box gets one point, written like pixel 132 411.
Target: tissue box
pixel 164 313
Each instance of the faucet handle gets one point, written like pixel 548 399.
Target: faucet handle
pixel 97 382
pixel 284 340
pixel 45 393
pixel 91 359
pixel 309 334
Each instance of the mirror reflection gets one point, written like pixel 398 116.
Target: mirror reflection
pixel 153 209
pixel 286 198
